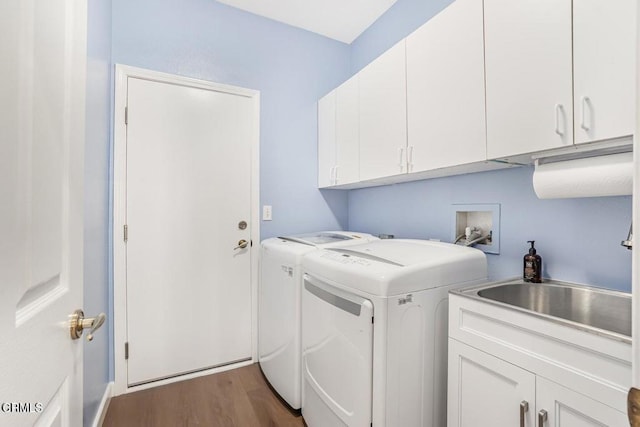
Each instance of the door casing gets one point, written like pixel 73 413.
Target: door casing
pixel 122 73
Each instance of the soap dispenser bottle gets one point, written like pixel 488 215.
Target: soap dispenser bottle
pixel 532 265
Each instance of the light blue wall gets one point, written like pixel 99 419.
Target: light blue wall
pixel 96 201
pixel 292 68
pixel 579 239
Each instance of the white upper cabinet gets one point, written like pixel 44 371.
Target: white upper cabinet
pixel 484 80
pixel 327 140
pixel 338 136
pixel 528 75
pixel 347 133
pixel 383 115
pixel 604 40
pixel 445 89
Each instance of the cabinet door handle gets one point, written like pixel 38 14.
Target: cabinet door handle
pixel 583 106
pixel 524 408
pixel 410 159
pixel 558 108
pixel 542 418
pixel 331 180
pixel 401 159
pixel 335 174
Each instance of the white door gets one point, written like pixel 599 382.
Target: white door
pixel 42 90
pixel 188 256
pixel 634 393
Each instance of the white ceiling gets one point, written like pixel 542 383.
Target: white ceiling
pixel 342 20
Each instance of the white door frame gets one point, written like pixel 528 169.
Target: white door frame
pixel 635 257
pixel 123 72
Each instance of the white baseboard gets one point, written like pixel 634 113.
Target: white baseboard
pixel 185 377
pixel 104 405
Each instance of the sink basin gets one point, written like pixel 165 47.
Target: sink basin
pixel 591 307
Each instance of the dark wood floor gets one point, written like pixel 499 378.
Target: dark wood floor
pixel 240 397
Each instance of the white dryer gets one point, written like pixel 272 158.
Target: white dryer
pixel 374 331
pixel 279 300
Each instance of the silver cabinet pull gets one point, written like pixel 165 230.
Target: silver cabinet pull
pixel 542 417
pixel 78 323
pixel 524 408
pixel 558 108
pixel 401 162
pixel 410 159
pixel 584 101
pixel 241 244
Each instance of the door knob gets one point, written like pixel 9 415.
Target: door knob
pixel 78 323
pixel 241 244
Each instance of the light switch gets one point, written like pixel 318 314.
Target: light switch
pixel 266 213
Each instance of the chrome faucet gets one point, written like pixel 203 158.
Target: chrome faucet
pixel 628 243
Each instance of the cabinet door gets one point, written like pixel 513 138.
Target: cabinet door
pixel 445 89
pixel 326 140
pixel 383 115
pixel 604 37
pixel 528 76
pixel 567 408
pixel 347 133
pixel 485 391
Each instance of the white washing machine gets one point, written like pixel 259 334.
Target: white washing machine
pixel 279 305
pixel 374 331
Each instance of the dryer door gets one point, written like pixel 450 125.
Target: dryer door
pixel 337 356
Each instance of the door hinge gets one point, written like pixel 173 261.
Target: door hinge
pixel 126 233
pixel 126 115
pixel 126 351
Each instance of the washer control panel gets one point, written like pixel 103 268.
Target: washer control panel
pixel 343 258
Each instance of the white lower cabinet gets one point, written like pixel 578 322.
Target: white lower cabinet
pixel 559 406
pixel 509 368
pixel 485 391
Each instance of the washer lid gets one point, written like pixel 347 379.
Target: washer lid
pixel 404 252
pixel 392 267
pixel 322 237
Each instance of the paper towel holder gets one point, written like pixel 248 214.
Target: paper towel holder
pixel 628 243
pixel 576 153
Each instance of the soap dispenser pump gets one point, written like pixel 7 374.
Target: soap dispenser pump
pixel 532 265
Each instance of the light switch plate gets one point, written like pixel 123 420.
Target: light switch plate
pixel 266 213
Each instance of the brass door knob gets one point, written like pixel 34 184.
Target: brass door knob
pixel 78 323
pixel 241 244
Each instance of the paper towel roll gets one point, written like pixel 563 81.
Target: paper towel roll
pixel 610 175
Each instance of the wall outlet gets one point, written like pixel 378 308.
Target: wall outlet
pixel 266 213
